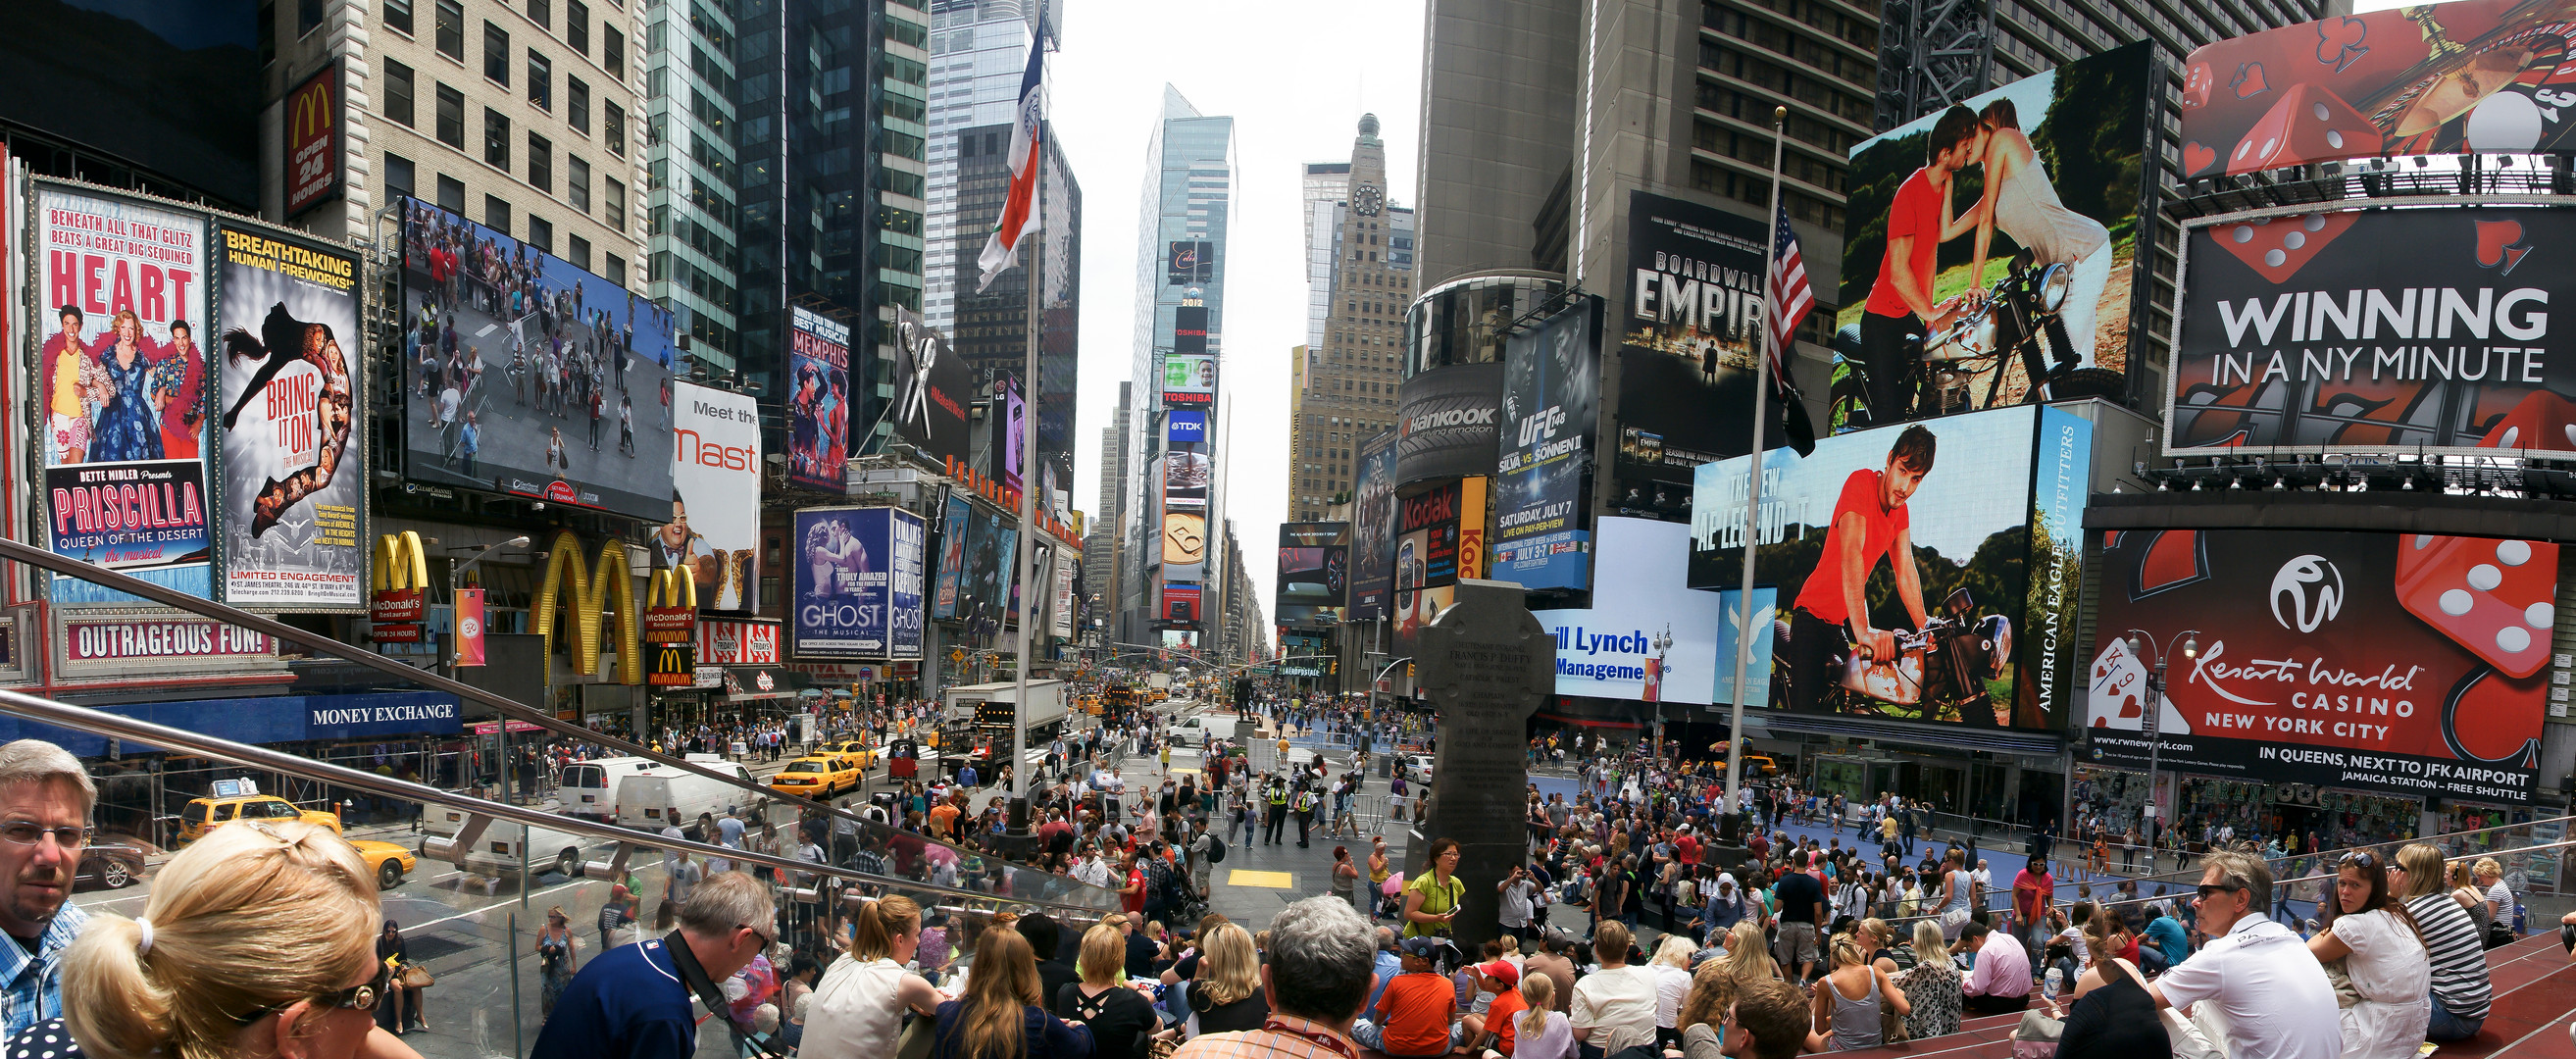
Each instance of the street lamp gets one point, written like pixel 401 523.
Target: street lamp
pixel 456 579
pixel 2140 641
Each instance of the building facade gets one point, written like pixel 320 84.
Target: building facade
pixel 1346 384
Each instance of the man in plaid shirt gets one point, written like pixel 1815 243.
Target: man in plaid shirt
pixel 1322 958
pixel 45 802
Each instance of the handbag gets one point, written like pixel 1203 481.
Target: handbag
pixel 1891 1026
pixel 2037 1036
pixel 414 976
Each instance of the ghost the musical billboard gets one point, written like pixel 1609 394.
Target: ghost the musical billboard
pixel 528 376
pixel 293 466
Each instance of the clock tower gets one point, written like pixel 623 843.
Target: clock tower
pixel 1347 384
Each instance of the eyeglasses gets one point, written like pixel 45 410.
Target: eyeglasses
pixel 2209 890
pixel 354 998
pixel 28 833
pixel 767 940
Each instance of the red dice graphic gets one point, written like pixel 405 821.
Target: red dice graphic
pixel 2309 124
pixel 2542 421
pixel 2494 597
pixel 2277 248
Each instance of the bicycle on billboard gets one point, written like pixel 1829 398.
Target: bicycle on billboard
pixel 2022 317
pixel 1937 673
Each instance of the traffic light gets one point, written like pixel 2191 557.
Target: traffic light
pixel 1408 671
pixel 1336 668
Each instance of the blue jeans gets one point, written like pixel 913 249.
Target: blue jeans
pixel 2446 1027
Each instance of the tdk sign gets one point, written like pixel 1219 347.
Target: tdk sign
pixel 1186 428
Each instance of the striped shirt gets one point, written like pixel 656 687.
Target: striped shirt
pixel 2459 956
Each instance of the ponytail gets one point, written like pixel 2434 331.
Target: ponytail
pixel 877 923
pixel 124 1010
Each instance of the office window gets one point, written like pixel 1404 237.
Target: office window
pixel 496 214
pixel 496 138
pixel 398 90
pixel 615 270
pixel 612 52
pixel 541 163
pixel 451 29
pixel 577 182
pixel 541 80
pixel 264 29
pixel 496 54
pixel 580 255
pixel 577 26
pixel 541 13
pixel 614 192
pixel 398 176
pixel 451 195
pixel 541 234
pixel 577 104
pixel 398 16
pixel 612 127
pixel 451 117
pixel 308 16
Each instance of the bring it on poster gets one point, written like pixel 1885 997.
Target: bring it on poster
pixel 122 373
pixel 294 485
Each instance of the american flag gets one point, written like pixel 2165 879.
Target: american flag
pixel 1789 298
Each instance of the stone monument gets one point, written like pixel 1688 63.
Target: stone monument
pixel 1484 665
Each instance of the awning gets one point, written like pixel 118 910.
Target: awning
pixel 755 683
pixel 265 719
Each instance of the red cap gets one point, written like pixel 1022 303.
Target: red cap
pixel 1501 970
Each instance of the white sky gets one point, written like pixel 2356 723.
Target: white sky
pixel 1295 78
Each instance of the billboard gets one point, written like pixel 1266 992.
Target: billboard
pixel 1649 638
pixel 954 529
pixel 1184 545
pixel 2056 160
pixel 1373 519
pixel 1010 443
pixel 2484 75
pixel 1688 336
pixel 293 450
pixel 818 401
pixel 1185 428
pixel 1314 571
pixel 1439 539
pixel 1963 533
pixel 1185 479
pixel 527 376
pixel 2302 333
pixel 1551 394
pixel 933 386
pixel 123 377
pixel 857 583
pixel 1190 261
pixel 2405 663
pixel 715 503
pixel 1444 425
pixel 315 143
pixel 1180 606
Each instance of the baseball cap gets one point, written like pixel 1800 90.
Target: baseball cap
pixel 1427 948
pixel 1502 971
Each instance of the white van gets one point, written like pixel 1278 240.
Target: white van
pixel 589 788
pixel 503 845
pixel 645 800
pixel 1194 730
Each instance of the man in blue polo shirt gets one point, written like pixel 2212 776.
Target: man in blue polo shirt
pixel 636 1001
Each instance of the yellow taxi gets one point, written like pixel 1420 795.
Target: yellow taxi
pixel 388 862
pixel 816 777
pixel 206 814
pixel 854 753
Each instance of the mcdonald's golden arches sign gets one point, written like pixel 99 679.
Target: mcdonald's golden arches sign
pixel 314 139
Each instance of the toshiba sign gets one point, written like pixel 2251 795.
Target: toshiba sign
pixel 714 531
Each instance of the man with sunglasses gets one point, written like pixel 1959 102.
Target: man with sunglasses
pixel 2271 992
pixel 636 1000
pixel 45 802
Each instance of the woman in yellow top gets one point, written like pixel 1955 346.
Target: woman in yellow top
pixel 1431 899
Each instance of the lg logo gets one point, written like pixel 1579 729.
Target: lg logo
pixel 2314 589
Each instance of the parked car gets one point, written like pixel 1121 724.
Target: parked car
pixel 112 861
pixel 206 814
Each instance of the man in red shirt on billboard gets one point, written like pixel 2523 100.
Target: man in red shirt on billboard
pixel 1831 616
pixel 1918 222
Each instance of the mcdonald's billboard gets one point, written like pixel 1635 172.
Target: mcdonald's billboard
pixel 314 139
pixel 402 572
pixel 599 592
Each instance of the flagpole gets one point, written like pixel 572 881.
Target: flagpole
pixel 1019 813
pixel 1753 489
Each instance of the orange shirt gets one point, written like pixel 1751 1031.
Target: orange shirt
pixel 1416 1009
pixel 943 819
pixel 1501 1015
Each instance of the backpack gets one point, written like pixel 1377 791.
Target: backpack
pixel 1215 850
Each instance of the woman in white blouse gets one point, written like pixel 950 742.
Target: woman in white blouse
pixel 2375 940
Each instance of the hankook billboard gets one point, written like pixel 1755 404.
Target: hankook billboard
pixel 1445 422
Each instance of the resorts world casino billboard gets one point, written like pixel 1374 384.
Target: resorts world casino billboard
pixel 2303 333
pixel 2484 75
pixel 2406 663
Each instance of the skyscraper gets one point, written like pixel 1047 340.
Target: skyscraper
pixel 692 205
pixel 1346 389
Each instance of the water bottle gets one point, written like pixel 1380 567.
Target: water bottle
pixel 2056 981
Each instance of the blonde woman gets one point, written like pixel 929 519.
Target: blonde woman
pixel 1227 997
pixel 860 1002
pixel 1931 986
pixel 999 1017
pixel 1541 1031
pixel 258 940
pixel 1671 966
pixel 1116 1014
pixel 2472 899
pixel 2462 991
pixel 1848 1001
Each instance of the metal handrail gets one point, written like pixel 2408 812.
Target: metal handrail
pixel 16 551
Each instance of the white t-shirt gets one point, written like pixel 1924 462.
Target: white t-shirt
pixel 1618 1005
pixel 2271 993
pixel 1672 985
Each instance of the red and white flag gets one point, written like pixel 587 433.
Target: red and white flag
pixel 1019 210
pixel 1789 299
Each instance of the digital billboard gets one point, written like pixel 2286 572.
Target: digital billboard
pixel 933 386
pixel 1189 380
pixel 527 376
pixel 1963 534
pixel 2397 662
pixel 1445 422
pixel 1184 545
pixel 1314 572
pixel 989 567
pixel 293 449
pixel 857 583
pixel 1551 396
pixel 1180 606
pixel 2050 167
pixel 1688 333
pixel 122 368
pixel 1373 520
pixel 1648 637
pixel 715 504
pixel 1185 428
pixel 1439 539
pixel 1185 479
pixel 1190 261
pixel 2303 333
pixel 1010 440
pixel 954 530
pixel 818 401
pixel 2482 75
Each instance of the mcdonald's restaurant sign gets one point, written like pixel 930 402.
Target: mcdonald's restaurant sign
pixel 316 140
pixel 402 572
pixel 671 608
pixel 599 593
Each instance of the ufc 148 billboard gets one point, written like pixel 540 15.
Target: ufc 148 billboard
pixel 1551 395
pixel 2406 663
pixel 858 574
pixel 2304 333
